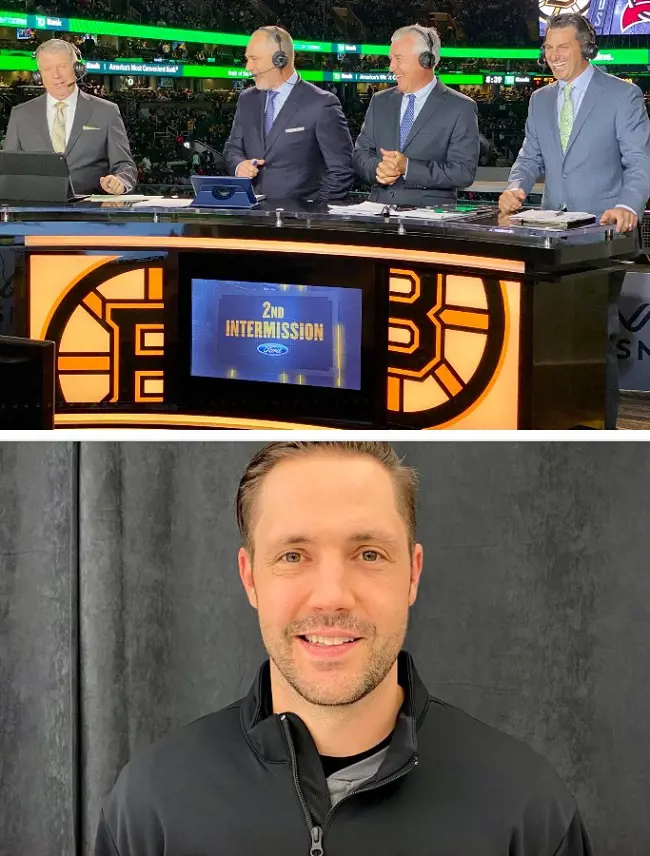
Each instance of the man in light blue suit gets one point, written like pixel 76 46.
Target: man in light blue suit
pixel 588 133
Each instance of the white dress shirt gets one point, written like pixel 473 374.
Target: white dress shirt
pixel 68 113
pixel 284 91
pixel 420 98
pixel 578 89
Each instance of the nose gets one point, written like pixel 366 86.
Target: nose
pixel 331 589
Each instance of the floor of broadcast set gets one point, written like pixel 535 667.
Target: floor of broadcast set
pixel 192 300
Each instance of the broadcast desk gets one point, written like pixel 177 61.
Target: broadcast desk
pixel 298 318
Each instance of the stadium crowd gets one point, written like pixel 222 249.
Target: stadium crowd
pixel 463 21
pixel 164 124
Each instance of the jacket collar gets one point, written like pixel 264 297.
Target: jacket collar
pixel 264 733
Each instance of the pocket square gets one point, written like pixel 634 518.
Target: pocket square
pixel 294 130
pixel 90 128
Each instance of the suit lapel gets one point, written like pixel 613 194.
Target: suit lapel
pixel 589 101
pixel 81 116
pixel 433 102
pixel 258 119
pixel 285 115
pixel 40 116
pixel 551 116
pixel 393 119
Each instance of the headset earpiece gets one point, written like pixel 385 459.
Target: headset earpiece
pixel 427 59
pixel 279 59
pixel 590 50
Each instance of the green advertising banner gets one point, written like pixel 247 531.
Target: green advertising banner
pixel 616 56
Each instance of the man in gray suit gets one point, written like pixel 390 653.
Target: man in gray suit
pixel 288 135
pixel 88 130
pixel 588 133
pixel 419 142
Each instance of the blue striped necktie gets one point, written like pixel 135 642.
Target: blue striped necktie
pixel 407 122
pixel 269 113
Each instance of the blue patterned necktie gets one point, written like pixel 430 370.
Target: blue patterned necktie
pixel 407 122
pixel 269 113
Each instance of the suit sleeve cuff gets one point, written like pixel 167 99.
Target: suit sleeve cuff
pixel 627 208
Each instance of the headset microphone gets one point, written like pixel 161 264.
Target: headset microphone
pixel 260 73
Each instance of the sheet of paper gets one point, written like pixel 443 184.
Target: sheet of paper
pixel 430 214
pixel 550 218
pixel 125 197
pixel 360 208
pixel 163 202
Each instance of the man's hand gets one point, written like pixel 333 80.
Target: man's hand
pixel 386 174
pixel 396 160
pixel 625 220
pixel 249 168
pixel 111 184
pixel 510 200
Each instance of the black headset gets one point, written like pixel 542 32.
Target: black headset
pixel 583 27
pixel 427 58
pixel 279 58
pixel 78 66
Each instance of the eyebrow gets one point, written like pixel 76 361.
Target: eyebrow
pixel 368 535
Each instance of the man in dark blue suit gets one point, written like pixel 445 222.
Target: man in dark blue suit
pixel 288 135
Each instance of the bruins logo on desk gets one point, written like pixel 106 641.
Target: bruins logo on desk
pixel 446 338
pixel 105 314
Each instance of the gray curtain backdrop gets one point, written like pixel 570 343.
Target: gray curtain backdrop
pixel 122 616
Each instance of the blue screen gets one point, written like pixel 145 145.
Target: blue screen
pixel 279 333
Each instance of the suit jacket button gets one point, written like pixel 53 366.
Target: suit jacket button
pixel 564 175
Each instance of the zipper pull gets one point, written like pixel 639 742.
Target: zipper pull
pixel 316 848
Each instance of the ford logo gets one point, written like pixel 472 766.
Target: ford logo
pixel 272 349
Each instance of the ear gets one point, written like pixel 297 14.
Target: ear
pixel 245 563
pixel 416 571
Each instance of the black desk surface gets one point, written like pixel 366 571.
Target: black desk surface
pixel 481 233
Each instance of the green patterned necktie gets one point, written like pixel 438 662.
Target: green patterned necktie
pixel 566 117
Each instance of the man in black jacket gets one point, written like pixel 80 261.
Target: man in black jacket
pixel 338 748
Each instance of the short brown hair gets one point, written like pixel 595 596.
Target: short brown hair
pixel 404 478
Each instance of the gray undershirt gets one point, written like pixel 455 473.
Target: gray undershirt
pixel 343 782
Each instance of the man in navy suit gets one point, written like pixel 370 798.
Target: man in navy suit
pixel 288 135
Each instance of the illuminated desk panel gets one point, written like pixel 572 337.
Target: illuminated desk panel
pixel 466 325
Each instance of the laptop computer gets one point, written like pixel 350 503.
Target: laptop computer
pixel 35 177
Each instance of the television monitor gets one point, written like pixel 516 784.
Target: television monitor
pixel 277 332
pixel 24 33
pixel 260 336
pixel 609 17
pixel 26 384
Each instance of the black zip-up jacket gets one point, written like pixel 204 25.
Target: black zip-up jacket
pixel 246 782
